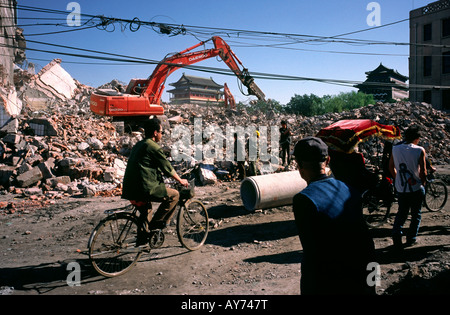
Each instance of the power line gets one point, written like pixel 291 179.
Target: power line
pixel 65 31
pixel 192 67
pixel 219 71
pixel 295 38
pixel 173 29
pixel 371 28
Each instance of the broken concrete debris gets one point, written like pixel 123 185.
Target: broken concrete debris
pixel 56 146
pixel 83 154
pixel 206 174
pixel 58 159
pixel 59 148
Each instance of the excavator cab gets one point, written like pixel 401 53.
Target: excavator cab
pixel 137 86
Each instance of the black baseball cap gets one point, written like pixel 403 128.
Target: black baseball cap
pixel 311 149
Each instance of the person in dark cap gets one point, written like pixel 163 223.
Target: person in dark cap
pixel 285 143
pixel 336 243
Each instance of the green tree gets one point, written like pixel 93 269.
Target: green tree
pixel 261 106
pixel 307 105
pixel 347 101
pixel 311 105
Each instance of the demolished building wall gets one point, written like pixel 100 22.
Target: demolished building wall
pixel 12 46
pixel 52 83
pixel 7 16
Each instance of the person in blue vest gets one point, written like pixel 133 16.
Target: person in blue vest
pixel 337 246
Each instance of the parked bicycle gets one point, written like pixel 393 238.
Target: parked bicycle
pixel 436 194
pixel 377 202
pixel 343 137
pixel 114 248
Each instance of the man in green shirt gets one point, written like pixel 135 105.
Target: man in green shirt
pixel 143 182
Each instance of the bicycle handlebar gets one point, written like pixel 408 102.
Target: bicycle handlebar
pixel 186 192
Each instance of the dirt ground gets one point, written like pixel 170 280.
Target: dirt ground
pixel 245 254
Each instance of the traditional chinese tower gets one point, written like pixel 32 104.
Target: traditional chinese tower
pixel 196 90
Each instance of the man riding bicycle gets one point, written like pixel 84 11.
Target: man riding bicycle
pixel 143 182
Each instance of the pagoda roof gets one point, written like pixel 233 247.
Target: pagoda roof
pixel 194 89
pixel 381 69
pixel 194 80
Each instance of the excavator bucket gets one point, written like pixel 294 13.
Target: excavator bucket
pixel 253 89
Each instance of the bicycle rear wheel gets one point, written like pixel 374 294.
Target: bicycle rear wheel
pixel 192 225
pixel 435 195
pixel 375 211
pixel 112 245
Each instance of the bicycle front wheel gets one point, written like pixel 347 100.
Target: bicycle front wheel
pixel 112 245
pixel 435 195
pixel 375 211
pixel 192 225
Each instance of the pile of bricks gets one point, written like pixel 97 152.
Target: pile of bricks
pixel 435 124
pixel 69 151
pixel 61 155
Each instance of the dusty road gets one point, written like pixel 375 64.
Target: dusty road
pixel 246 254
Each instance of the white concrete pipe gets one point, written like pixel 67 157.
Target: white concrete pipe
pixel 272 190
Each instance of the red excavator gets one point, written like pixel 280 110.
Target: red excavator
pixel 142 97
pixel 230 103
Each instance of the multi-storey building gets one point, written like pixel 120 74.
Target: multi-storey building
pixel 429 62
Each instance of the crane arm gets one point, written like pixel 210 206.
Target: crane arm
pixel 169 64
pixel 229 99
pixel 229 57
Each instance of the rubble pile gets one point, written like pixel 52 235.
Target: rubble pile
pixel 56 146
pixel 62 155
pixel 65 150
pixel 435 124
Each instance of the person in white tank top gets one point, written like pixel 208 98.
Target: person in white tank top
pixel 408 167
pixel 406 161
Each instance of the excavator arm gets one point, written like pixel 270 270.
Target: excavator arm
pixel 229 99
pixel 186 57
pixel 143 96
pixel 228 56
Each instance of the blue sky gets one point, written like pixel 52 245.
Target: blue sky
pixel 341 61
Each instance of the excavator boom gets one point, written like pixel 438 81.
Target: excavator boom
pixel 143 96
pixel 228 56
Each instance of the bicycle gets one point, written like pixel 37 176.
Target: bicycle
pixel 376 205
pixel 114 247
pixel 435 194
